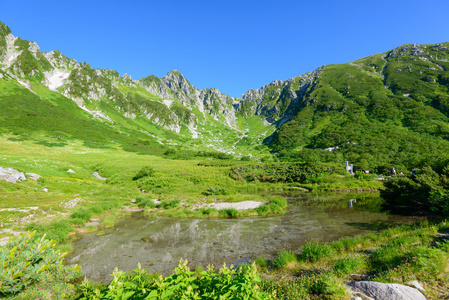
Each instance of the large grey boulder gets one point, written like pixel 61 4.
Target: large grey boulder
pixel 11 175
pixel 386 291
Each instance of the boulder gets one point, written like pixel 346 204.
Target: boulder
pixel 11 175
pixel 98 176
pixel 33 176
pixel 386 291
pixel 70 171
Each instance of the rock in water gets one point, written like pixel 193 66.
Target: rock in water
pixel 386 291
pixel 11 175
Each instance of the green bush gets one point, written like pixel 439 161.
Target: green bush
pixel 314 251
pixel 349 264
pixel 284 258
pixel 215 191
pixel 169 204
pixel 182 284
pixel 145 202
pixel 82 213
pixel 32 268
pixel 144 172
pixel 230 212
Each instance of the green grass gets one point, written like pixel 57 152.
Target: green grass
pixel 397 255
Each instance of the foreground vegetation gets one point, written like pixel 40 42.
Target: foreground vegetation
pixel 34 270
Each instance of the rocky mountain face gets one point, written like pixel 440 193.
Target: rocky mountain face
pixel 167 101
pixel 347 108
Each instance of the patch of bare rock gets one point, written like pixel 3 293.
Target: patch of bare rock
pixel 369 290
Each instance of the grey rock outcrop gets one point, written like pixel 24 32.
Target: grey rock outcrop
pixel 11 175
pixel 33 176
pixel 98 176
pixel 386 291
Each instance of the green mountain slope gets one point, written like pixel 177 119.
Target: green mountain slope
pixel 383 110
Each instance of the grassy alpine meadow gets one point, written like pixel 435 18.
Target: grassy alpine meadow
pixel 69 192
pixel 68 198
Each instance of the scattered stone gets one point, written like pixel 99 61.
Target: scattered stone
pixel 33 176
pixel 386 291
pixel 45 190
pixel 70 171
pixel 133 201
pixel 132 209
pixel 72 203
pixel 301 188
pixel 98 176
pixel 237 205
pixel 11 175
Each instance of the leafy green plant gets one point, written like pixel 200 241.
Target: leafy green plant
pixel 215 191
pixel 182 284
pixel 350 264
pixel 284 258
pixel 229 212
pixel 315 251
pixel 145 202
pixel 145 171
pixel 32 265
pixel 169 204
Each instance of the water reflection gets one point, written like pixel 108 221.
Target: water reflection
pixel 158 243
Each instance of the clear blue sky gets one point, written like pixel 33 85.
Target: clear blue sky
pixel 233 45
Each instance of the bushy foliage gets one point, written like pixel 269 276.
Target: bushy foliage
pixel 278 172
pixel 284 258
pixel 315 251
pixel 144 172
pixel 425 193
pixel 229 212
pixel 227 283
pixel 145 202
pixel 32 268
pixel 169 204
pixel 215 191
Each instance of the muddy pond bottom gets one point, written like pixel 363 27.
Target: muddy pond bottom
pixel 158 243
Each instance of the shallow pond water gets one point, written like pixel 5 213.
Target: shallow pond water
pixel 159 242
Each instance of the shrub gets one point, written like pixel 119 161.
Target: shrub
pixel 284 258
pixel 314 251
pixel 215 191
pixel 263 210
pixel 32 266
pixel 145 202
pixel 82 213
pixel 261 263
pixel 230 212
pixel 182 284
pixel 144 172
pixel 169 204
pixel 349 264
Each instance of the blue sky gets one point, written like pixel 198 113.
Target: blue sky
pixel 227 44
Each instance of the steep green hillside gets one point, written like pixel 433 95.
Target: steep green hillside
pixel 383 110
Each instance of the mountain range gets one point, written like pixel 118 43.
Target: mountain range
pixel 384 109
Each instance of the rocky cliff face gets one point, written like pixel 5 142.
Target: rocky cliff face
pixel 279 100
pixel 170 101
